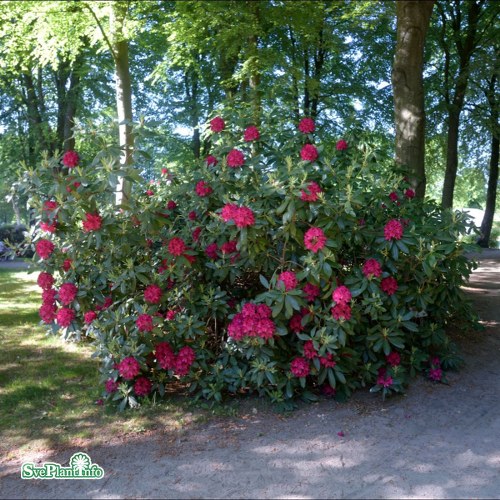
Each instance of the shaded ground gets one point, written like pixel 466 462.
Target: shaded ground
pixel 438 441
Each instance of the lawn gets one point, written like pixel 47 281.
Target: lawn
pixel 48 389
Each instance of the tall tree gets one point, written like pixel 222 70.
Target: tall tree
pixel 413 18
pixel 460 35
pixel 491 194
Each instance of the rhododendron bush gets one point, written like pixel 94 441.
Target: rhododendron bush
pixel 267 267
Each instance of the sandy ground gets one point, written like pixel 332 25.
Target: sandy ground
pixel 438 441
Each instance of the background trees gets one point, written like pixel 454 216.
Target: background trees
pixel 64 64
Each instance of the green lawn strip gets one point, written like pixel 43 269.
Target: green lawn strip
pixel 48 388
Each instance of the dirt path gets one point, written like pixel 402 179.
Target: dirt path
pixel 438 441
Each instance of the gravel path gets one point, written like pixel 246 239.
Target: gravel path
pixel 438 441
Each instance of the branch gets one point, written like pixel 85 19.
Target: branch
pixel 101 29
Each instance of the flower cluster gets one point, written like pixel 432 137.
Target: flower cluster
pixel 372 268
pixel 289 279
pixel 253 321
pixel 152 294
pixel 393 230
pixel 309 152
pixel 389 285
pixel 202 189
pixel 314 239
pixel 144 323
pixel 300 367
pixel 92 222
pixel 129 368
pixel 251 134
pixel 67 293
pixel 307 126
pixel 235 158
pixel 168 360
pixel 217 124
pixel 71 159
pixel 311 192
pixel 176 246
pixel 242 216
pixel 44 248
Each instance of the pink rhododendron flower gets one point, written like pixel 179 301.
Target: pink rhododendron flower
pixel 196 234
pixel 383 379
pixel 228 212
pixel 211 161
pixel 229 247
pixel 202 189
pixel 144 323
pixel 192 215
pixel 45 280
pixel 252 321
pixel 235 158
pixel 311 291
pixel 171 205
pixel 129 368
pixel 251 134
pixel 299 367
pixel 393 358
pixel 66 265
pixel 409 193
pixel 289 279
pixel 49 296
pixel 170 314
pixel 312 192
pixel 309 350
pixel 176 246
pixel 152 294
pixel 393 230
pixel 211 251
pixel 183 361
pixel 309 153
pixel 307 126
pixel 44 248
pixel 394 196
pixel 89 317
pixel 295 323
pixel 327 361
pixel 389 285
pixel 342 295
pixel 314 239
pixel 48 312
pixel 165 355
pixel 111 386
pixel 65 316
pixel 435 374
pixel 71 159
pixel 149 192
pixel 92 222
pixel 341 145
pixel 217 124
pixel 371 268
pixel 328 390
pixel 50 206
pixel 164 171
pixel 48 227
pixel 67 293
pixel 341 311
pixel 142 386
pixel 244 217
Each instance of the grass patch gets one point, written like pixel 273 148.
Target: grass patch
pixel 48 388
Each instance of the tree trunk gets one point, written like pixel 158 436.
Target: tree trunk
pixel 71 106
pixel 123 97
pixel 413 18
pixel 491 194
